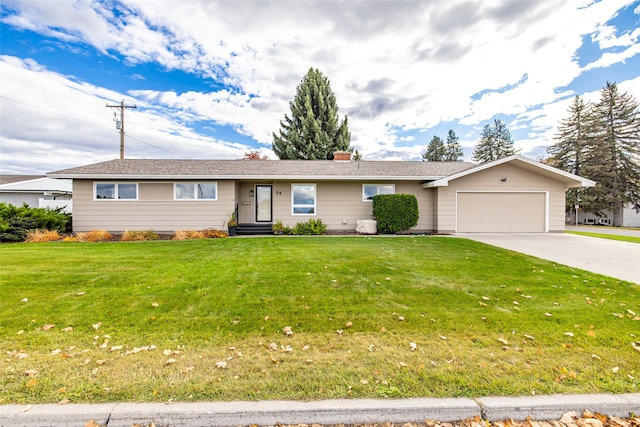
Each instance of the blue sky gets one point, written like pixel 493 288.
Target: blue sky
pixel 213 79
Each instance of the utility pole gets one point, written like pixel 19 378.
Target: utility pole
pixel 120 125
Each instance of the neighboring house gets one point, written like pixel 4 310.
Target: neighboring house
pixel 513 194
pixel 36 191
pixel 630 218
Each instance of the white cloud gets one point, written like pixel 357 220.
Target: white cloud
pixel 393 65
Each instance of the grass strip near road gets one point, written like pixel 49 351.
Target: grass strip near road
pixel 378 317
pixel 618 237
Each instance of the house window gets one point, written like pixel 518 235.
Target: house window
pixel 303 199
pixel 370 190
pixel 115 191
pixel 195 191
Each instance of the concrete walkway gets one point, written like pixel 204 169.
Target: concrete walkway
pixel 613 258
pixel 269 413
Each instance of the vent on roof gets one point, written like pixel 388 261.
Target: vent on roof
pixel 342 156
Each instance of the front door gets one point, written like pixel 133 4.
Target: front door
pixel 263 203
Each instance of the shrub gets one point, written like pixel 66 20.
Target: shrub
pixel 37 236
pixel 395 212
pixel 212 233
pixel 188 235
pixel 129 236
pixel 94 236
pixel 313 226
pixel 15 222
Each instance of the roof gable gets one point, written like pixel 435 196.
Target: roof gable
pixel 569 179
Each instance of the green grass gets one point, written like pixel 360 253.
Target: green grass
pixel 484 321
pixel 621 238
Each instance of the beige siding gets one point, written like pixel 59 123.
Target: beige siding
pixel 339 203
pixel 156 209
pixel 490 180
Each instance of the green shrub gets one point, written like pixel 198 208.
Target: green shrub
pixel 15 222
pixel 313 226
pixel 395 212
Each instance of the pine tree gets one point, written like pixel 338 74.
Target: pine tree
pixel 436 151
pixel 573 141
pixel 312 132
pixel 495 143
pixel 614 158
pixel 453 151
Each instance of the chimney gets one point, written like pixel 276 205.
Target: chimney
pixel 342 156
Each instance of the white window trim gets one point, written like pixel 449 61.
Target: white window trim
pixel 195 193
pixel 115 193
pixel 364 196
pixel 315 200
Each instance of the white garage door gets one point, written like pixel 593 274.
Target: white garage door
pixel 501 212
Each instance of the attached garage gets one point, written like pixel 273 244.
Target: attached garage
pixel 501 212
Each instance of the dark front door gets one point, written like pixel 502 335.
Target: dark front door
pixel 263 203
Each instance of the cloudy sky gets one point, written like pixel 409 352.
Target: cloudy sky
pixel 213 79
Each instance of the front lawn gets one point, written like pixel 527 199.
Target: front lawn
pixel 618 237
pixel 381 317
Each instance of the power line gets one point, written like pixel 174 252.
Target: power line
pixel 120 125
pixel 90 123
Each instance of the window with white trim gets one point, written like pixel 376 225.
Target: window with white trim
pixel 115 191
pixel 370 190
pixel 303 199
pixel 195 191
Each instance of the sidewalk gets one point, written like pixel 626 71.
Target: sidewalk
pixel 269 413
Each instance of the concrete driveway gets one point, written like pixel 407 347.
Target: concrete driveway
pixel 620 260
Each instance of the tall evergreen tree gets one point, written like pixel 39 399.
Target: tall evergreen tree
pixel 436 151
pixel 614 160
pixel 453 151
pixel 312 132
pixel 495 143
pixel 573 142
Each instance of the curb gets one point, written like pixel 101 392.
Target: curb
pixel 269 413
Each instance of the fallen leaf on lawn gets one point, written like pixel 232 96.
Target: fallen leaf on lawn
pixel 67 329
pixel 63 402
pixel 569 334
pixel 595 356
pixel 100 362
pixel 273 346
pixel 170 361
pixel 31 372
pixel 388 278
pixel 116 348
pixel 221 365
pixel 402 364
pixel 349 324
pixel 166 352
pixel 24 300
pixel 503 341
pixel 56 351
pixel 96 326
pixel 371 347
pixel 80 294
pixel 364 382
pixel 516 303
pixel 339 331
pixel 287 330
pixel 548 314
pixel 530 337
pixel 48 326
pixel 482 304
pixel 155 304
pixel 631 312
pixel 615 369
pixel 288 349
pixel 20 332
pixel 401 318
pixel 413 346
pixel 443 337
pixel 486 298
pixel 305 348
pixel 636 345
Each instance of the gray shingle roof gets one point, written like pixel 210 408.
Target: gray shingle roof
pixel 262 169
